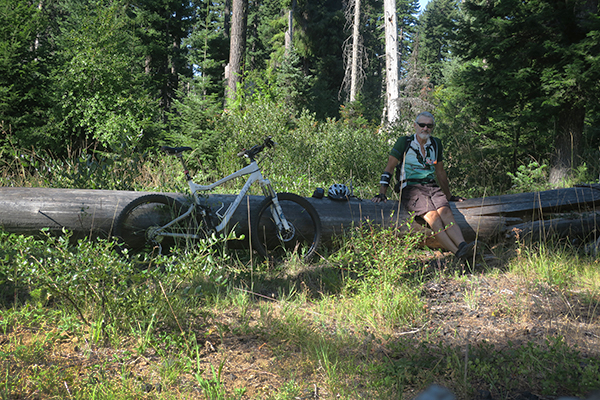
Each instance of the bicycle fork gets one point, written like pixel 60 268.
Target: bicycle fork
pixel 281 222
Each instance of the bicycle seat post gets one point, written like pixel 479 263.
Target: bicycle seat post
pixel 185 169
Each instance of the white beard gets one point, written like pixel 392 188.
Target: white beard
pixel 424 136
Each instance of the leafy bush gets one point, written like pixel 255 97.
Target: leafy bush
pixel 88 170
pixel 530 178
pixel 107 291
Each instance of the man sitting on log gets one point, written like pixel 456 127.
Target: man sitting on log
pixel 422 163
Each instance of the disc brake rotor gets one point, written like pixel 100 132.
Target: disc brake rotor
pixel 287 235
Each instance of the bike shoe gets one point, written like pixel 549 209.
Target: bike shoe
pixel 465 251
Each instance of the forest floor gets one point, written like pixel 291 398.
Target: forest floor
pixel 500 309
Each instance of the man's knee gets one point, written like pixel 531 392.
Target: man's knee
pixel 433 219
pixel 431 216
pixel 446 213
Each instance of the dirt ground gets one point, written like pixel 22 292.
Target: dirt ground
pixel 461 311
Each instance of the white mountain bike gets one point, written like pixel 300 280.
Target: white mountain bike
pixel 283 223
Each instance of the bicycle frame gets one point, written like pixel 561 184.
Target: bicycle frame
pixel 255 176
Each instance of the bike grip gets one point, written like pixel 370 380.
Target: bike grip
pixel 242 153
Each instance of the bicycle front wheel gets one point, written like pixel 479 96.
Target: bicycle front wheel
pixel 138 226
pixel 302 238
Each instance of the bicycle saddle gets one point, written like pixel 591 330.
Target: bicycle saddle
pixel 175 150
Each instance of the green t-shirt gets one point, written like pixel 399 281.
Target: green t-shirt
pixel 414 168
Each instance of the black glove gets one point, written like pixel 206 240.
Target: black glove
pixel 381 197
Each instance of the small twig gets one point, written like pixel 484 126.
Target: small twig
pixel 410 332
pixel 466 362
pixel 171 308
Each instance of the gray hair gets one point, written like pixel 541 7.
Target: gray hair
pixel 425 114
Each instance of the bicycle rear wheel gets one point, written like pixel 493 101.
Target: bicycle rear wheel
pixel 137 225
pixel 304 236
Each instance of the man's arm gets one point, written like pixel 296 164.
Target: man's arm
pixel 442 179
pixel 389 168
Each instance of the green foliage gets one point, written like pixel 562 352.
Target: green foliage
pixel 102 97
pixel 376 254
pixel 529 102
pixel 551 369
pixel 23 85
pixel 383 278
pixel 355 338
pixel 90 274
pixel 208 49
pixel 530 178
pixel 436 29
pixel 213 388
pixel 100 171
pixel 90 170
pixel 109 293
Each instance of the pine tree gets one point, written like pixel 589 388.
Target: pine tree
pixel 437 27
pixel 537 58
pixel 23 94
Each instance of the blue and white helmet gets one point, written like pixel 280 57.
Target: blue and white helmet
pixel 338 191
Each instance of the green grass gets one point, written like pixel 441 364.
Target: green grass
pixel 79 321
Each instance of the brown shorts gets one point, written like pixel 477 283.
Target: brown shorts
pixel 420 199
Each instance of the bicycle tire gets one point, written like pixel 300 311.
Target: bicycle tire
pixel 135 224
pixel 304 238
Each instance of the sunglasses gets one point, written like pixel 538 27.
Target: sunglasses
pixel 422 125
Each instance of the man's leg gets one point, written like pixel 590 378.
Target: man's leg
pixel 436 223
pixel 453 230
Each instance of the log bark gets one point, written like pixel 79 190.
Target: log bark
pixel 83 212
pixel 585 227
pixel 536 204
pixel 91 213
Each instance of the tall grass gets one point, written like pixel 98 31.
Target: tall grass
pixel 557 264
pixel 346 332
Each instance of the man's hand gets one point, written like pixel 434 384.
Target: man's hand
pixel 456 198
pixel 379 198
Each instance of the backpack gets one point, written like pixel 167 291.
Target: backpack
pixel 399 182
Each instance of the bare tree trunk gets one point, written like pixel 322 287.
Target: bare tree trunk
pixel 289 34
pixel 391 61
pixel 567 147
pixel 355 45
pixel 237 46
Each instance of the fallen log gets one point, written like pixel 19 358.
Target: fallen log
pixel 534 204
pixel 585 227
pixel 91 213
pixel 86 213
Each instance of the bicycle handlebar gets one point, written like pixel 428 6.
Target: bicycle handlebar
pixel 254 150
pixel 250 153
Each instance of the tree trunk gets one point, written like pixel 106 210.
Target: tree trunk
pixel 289 34
pixel 567 145
pixel 391 61
pixel 237 46
pixel 355 45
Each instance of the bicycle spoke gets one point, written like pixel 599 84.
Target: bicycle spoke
pixel 303 236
